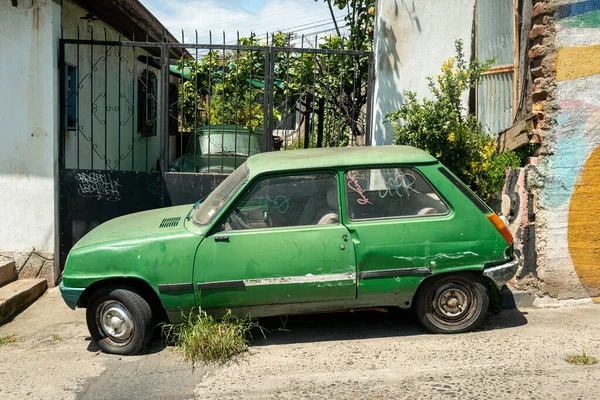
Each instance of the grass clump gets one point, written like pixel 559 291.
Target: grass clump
pixel 583 359
pixel 201 338
pixel 57 338
pixel 6 339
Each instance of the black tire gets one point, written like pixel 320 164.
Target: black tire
pixel 453 303
pixel 119 320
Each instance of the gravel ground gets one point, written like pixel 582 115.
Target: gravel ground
pixel 363 355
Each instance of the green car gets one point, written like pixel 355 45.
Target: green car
pixel 293 232
pixel 218 149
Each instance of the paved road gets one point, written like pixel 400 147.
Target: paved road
pixel 517 355
pixel 367 355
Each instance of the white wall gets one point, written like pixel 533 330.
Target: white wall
pixel 412 39
pixel 28 124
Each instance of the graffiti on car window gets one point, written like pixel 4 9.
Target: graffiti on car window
pixel 400 185
pixel 281 204
pixel 354 185
pixel 98 185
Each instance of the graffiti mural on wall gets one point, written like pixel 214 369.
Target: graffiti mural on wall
pixel 571 193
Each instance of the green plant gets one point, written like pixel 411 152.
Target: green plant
pixel 442 126
pixel 583 359
pixel 225 86
pixel 6 339
pixel 201 338
pixel 57 338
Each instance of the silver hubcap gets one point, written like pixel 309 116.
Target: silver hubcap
pixel 115 321
pixel 453 301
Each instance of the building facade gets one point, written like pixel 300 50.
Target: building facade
pixel 31 85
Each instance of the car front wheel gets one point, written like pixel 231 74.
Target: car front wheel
pixel 452 303
pixel 119 320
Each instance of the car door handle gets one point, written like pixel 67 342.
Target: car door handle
pixel 223 238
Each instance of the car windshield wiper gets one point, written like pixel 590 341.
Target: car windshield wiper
pixel 189 214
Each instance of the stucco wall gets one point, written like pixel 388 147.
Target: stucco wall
pixel 568 176
pixel 412 39
pixel 29 124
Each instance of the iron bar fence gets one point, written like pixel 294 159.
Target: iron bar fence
pixel 206 107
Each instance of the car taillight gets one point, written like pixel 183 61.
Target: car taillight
pixel 501 227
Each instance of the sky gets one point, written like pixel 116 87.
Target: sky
pixel 260 16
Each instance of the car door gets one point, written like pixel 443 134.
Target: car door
pixel 404 230
pixel 281 242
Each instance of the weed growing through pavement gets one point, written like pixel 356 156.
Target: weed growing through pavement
pixel 583 359
pixel 6 339
pixel 201 338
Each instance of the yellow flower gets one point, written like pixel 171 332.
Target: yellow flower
pixel 448 64
pixel 451 137
pixel 372 10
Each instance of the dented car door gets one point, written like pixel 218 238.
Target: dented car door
pixel 280 242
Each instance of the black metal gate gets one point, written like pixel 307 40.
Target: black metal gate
pixel 153 124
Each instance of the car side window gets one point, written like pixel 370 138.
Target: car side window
pixel 286 201
pixel 390 192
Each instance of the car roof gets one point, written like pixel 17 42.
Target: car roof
pixel 332 157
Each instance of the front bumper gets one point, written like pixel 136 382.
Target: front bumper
pixel 500 274
pixel 70 295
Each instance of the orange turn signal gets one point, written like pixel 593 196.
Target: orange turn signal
pixel 503 229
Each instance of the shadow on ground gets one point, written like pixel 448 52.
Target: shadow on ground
pixel 360 325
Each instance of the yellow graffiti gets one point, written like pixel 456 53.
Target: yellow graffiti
pixel 583 232
pixel 577 62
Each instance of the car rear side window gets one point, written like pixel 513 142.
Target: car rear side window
pixel 466 191
pixel 390 193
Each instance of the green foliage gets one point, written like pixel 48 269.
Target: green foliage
pixel 201 338
pixel 444 128
pixel 360 20
pixel 221 91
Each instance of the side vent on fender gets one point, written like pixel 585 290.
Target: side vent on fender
pixel 169 222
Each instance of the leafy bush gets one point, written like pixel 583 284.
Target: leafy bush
pixel 444 128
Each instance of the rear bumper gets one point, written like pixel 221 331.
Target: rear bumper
pixel 70 295
pixel 500 274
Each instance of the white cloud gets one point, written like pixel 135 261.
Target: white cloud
pixel 301 16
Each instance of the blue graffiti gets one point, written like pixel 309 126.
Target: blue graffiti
pixel 570 152
pixel 574 9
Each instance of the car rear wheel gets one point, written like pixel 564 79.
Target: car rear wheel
pixel 452 303
pixel 119 320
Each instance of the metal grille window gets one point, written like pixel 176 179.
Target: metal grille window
pixel 147 103
pixel 496 95
pixel 71 97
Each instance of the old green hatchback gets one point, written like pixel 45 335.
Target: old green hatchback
pixel 295 232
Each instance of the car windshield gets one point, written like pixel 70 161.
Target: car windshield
pixel 215 201
pixel 225 142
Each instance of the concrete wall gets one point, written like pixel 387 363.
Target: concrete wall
pixel 412 39
pixel 29 115
pixel 569 170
